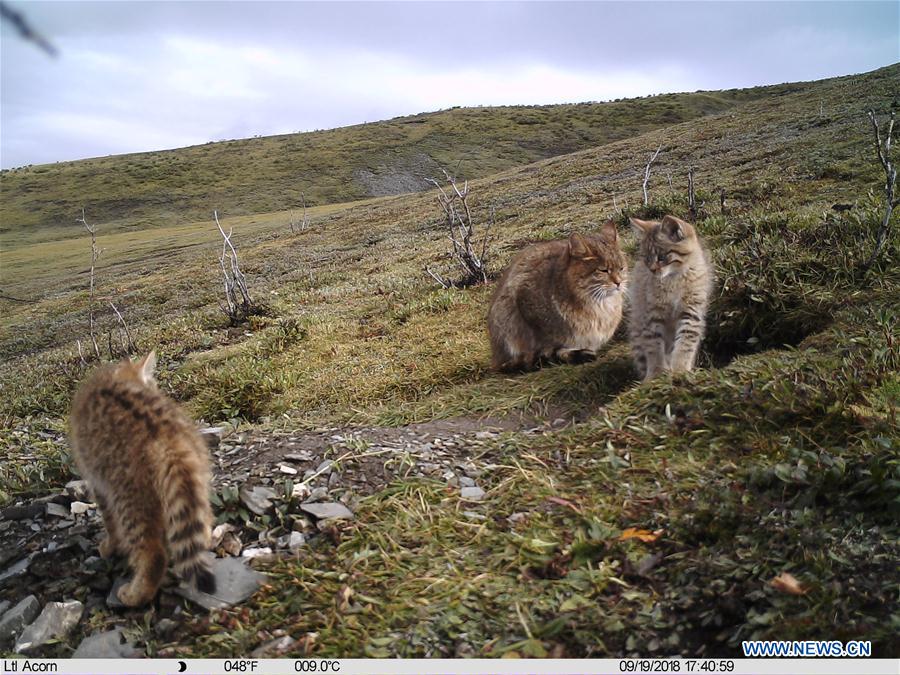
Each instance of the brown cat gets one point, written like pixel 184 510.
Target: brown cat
pixel 669 294
pixel 149 470
pixel 558 299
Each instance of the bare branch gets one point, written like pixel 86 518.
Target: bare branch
pixel 647 175
pixel 692 201
pixel 127 342
pixel 95 254
pixel 234 283
pixel 883 150
pixel 454 203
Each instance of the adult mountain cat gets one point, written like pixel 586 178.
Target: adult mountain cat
pixel 669 294
pixel 149 470
pixel 558 299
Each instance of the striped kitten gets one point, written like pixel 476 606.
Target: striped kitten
pixel 558 300
pixel 670 288
pixel 149 470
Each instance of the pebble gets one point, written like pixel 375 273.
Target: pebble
pixel 327 511
pixel 256 552
pixel 57 511
pixel 287 469
pixel 475 494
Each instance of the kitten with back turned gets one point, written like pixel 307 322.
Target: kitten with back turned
pixel 148 468
pixel 558 300
pixel 670 287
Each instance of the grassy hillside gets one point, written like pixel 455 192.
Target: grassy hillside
pixel 779 454
pixel 249 176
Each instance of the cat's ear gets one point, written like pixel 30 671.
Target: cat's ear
pixel 146 367
pixel 641 227
pixel 609 232
pixel 578 246
pixel 676 229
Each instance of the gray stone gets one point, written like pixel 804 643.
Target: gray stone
pixel 474 494
pixel 303 456
pixel 258 499
pixel 273 648
pixel 324 468
pixel 55 621
pixel 327 511
pixel 296 540
pixel 4 605
pixel 15 619
pixel 22 511
pixel 317 495
pixel 212 436
pixel 235 582
pixel 108 645
pixel 112 599
pixel 287 469
pixel 78 489
pixel 17 569
pixel 57 510
pixel 465 481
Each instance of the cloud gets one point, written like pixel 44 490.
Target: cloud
pixel 146 76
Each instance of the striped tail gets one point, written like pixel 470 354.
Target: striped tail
pixel 188 518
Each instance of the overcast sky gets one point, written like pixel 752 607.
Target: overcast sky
pixel 134 76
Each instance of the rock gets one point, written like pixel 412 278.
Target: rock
pixel 318 494
pixel 231 544
pixel 165 628
pixel 258 499
pixel 78 508
pixel 112 599
pixel 55 621
pixel 256 552
pixel 296 540
pixel 301 524
pixel 15 619
pixel 22 511
pixel 474 494
pixel 327 511
pixel 235 582
pixel 517 517
pixel 273 648
pixel 17 569
pixel 4 605
pixel 465 481
pixel 287 469
pixel 484 435
pixel 78 489
pixel 219 532
pixel 108 645
pixel 212 436
pixel 300 491
pixel 57 511
pixel 324 468
pixel 298 456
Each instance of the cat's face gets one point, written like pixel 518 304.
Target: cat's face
pixel 665 244
pixel 596 264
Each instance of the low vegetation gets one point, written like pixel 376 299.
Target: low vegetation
pixel 653 524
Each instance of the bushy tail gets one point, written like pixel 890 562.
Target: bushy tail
pixel 188 517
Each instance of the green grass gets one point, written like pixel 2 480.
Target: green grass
pixel 246 177
pixel 779 454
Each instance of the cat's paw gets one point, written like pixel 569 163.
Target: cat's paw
pixel 131 596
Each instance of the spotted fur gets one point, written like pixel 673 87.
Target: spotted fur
pixel 558 300
pixel 148 468
pixel 669 295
